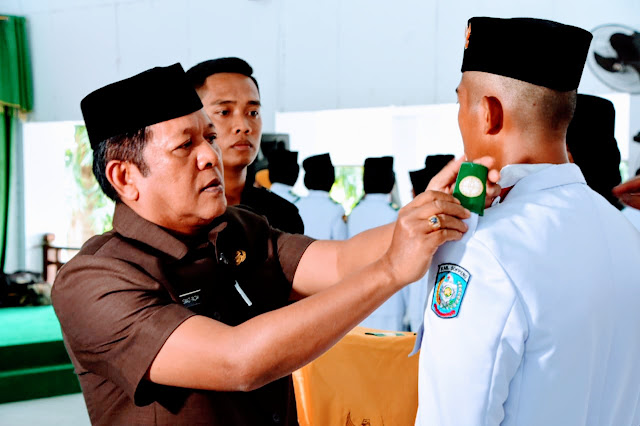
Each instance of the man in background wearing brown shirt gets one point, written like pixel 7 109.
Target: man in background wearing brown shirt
pixel 180 314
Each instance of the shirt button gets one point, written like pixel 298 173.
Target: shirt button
pixel 276 418
pixel 217 316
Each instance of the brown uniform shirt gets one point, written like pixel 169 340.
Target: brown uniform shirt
pixel 126 291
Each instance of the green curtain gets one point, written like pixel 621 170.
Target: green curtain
pixel 16 97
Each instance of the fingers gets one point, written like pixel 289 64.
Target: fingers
pixel 493 176
pixel 632 200
pixel 629 192
pixel 488 162
pixel 446 222
pixel 446 178
pixel 434 216
pixel 630 186
pixel 429 196
pixel 493 190
pixel 443 207
pixel 445 235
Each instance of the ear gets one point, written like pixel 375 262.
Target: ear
pixel 122 176
pixel 493 115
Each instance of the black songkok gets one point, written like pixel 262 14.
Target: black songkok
pixel 378 175
pixel 540 52
pixel 433 164
pixel 591 142
pixel 153 96
pixel 319 173
pixel 283 166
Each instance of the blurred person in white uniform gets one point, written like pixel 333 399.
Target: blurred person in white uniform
pixel 283 173
pixel 533 319
pixel 323 217
pixel 376 209
pixel 591 145
pixel 417 292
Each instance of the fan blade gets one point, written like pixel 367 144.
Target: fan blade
pixel 608 64
pixel 625 47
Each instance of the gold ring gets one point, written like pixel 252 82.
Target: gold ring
pixel 435 222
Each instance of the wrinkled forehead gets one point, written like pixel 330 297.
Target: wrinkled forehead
pixel 197 122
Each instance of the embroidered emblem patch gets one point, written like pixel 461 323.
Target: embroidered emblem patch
pixel 451 283
pixel 191 299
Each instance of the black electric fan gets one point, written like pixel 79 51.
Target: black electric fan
pixel 614 57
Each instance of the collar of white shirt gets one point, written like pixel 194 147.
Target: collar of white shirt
pixel 512 173
pixel 517 176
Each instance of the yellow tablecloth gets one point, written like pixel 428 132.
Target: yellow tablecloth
pixel 365 379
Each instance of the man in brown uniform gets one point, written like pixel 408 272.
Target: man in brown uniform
pixel 181 314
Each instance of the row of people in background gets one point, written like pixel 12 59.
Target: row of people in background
pixel 324 218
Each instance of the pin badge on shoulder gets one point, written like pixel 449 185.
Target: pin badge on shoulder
pixel 471 186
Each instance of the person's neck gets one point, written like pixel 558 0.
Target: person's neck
pixel 534 150
pixel 234 181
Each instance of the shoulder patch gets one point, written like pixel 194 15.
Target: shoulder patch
pixel 451 284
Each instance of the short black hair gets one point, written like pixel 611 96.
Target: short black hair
pixel 125 147
pixel 197 74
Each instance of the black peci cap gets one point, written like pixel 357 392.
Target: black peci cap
pixel 283 166
pixel 537 51
pixel 153 96
pixel 378 175
pixel 319 172
pixel 592 144
pixel 433 164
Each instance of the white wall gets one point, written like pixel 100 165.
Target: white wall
pixel 308 55
pixel 407 133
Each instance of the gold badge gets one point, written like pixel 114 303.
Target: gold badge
pixel 467 35
pixel 241 255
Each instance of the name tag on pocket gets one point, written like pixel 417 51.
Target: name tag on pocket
pixel 191 298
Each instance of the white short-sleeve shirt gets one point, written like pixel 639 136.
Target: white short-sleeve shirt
pixel 323 217
pixel 535 318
